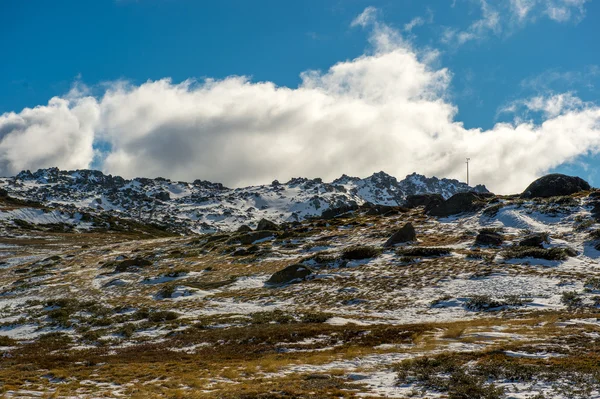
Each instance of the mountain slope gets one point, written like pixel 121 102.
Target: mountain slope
pixel 202 206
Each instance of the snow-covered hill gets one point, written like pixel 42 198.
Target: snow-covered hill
pixel 202 206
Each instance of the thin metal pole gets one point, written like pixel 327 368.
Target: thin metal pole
pixel 468 159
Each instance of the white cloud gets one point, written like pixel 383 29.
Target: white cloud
pixel 387 110
pixel 503 17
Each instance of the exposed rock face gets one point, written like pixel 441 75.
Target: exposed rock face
pixel 405 234
pixel 291 274
pixel 265 224
pixel 163 196
pixel 491 238
pixel 338 211
pixel 244 229
pixel 458 203
pixel 426 200
pixel 205 207
pixel 534 240
pixel 554 185
pixel 251 237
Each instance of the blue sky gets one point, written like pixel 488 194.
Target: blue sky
pixel 495 61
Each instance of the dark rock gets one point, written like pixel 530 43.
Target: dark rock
pixel 265 224
pixel 384 210
pixel 339 211
pixel 163 196
pixel 534 240
pixel 3 193
pixel 405 234
pixel 250 237
pixel 128 264
pixel 244 229
pixel 291 274
pixel 489 238
pixel 458 203
pixel 596 211
pixel 554 185
pixel 426 200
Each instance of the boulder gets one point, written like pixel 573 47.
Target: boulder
pixel 596 211
pixel 554 185
pixel 244 229
pixel 489 238
pixel 458 203
pixel 291 274
pixel 405 234
pixel 250 237
pixel 339 211
pixel 162 196
pixel 426 200
pixel 534 240
pixel 265 224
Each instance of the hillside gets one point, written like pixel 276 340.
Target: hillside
pixel 498 298
pixel 203 207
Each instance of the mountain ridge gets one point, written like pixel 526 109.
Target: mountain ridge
pixel 202 206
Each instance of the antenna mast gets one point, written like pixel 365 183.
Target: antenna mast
pixel 468 159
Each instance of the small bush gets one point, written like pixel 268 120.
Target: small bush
pixel 592 284
pixel 571 299
pixel 360 252
pixel 276 316
pixel 166 291
pixel 162 315
pixel 519 252
pixel 7 341
pixel 483 303
pixel 315 317
pixel 127 330
pixel 423 251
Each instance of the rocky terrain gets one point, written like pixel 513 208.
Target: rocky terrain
pixel 204 207
pixel 415 288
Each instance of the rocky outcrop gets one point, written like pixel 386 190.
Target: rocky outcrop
pixel 266 225
pixel 291 274
pixel 458 203
pixel 534 240
pixel 489 238
pixel 554 185
pixel 426 200
pixel 405 234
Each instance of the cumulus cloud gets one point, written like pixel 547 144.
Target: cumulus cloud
pixel 385 110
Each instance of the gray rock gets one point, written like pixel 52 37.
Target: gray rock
pixel 405 234
pixel 426 200
pixel 265 224
pixel 291 274
pixel 458 203
pixel 534 240
pixel 554 185
pixel 489 238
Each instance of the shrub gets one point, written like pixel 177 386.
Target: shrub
pixel 360 252
pixel 518 252
pixel 315 317
pixel 571 299
pixel 423 251
pixel 166 291
pixel 482 303
pixel 7 341
pixel 276 316
pixel 162 315
pixel 127 330
pixel 592 284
